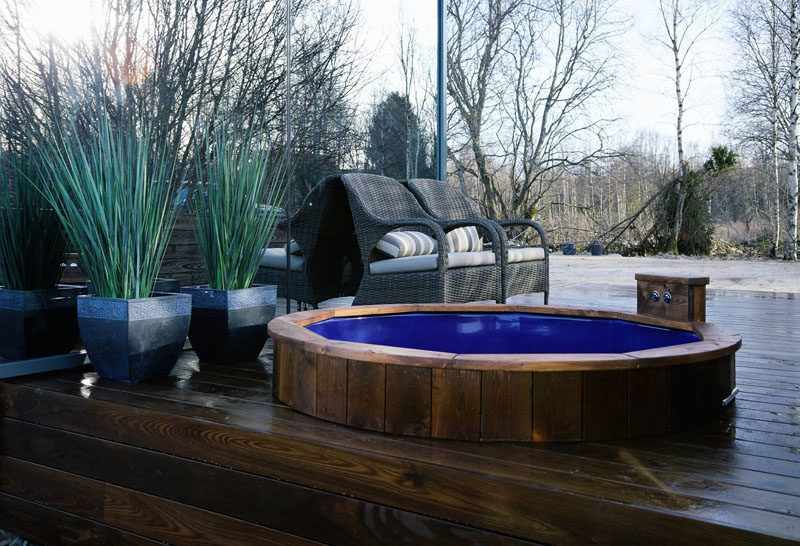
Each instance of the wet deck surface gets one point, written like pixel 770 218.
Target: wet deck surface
pixel 208 456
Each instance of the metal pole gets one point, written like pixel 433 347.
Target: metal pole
pixel 287 208
pixel 441 92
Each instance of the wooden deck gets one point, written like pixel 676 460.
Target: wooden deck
pixel 208 457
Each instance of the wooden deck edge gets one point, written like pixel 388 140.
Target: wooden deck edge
pixel 518 509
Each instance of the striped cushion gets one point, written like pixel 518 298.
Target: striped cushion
pixel 399 244
pixel 464 239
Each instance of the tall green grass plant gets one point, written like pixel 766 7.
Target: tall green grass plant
pixel 114 193
pixel 32 241
pixel 236 205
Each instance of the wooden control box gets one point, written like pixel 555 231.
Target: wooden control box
pixel 671 297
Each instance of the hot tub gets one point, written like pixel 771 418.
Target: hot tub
pixel 502 372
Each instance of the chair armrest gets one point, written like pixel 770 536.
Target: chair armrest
pixel 530 224
pixel 497 236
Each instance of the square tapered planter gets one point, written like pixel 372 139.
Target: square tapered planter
pixel 38 323
pixel 230 325
pixel 134 339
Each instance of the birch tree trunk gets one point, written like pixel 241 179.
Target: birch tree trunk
pixel 790 252
pixel 675 40
pixel 775 104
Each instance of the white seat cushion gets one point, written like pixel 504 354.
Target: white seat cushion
pixel 526 254
pixel 427 262
pixel 275 258
pixel 294 248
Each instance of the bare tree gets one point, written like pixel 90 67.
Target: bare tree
pixel 476 38
pixel 759 84
pixel 553 127
pixel 684 24
pixel 417 87
pixel 790 250
pixel 174 64
pixel 523 76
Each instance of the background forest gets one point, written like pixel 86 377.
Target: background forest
pixel 530 134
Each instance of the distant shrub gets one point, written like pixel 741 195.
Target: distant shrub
pixel 697 229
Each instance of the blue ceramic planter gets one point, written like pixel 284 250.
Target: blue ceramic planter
pixel 38 323
pixel 136 339
pixel 230 325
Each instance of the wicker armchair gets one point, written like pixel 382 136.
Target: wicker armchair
pixel 328 264
pixel 380 205
pixel 442 200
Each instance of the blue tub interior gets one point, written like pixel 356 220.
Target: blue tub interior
pixel 500 333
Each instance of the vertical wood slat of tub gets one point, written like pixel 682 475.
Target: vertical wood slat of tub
pixel 717 375
pixel 304 385
pixel 696 392
pixel 506 406
pixel 722 382
pixel 285 374
pixel 557 406
pixel 682 401
pixel 366 394
pixel 731 374
pixel 277 362
pixel 408 400
pixel 648 402
pixel 456 404
pixel 605 405
pixel 332 388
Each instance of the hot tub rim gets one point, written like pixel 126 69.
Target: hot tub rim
pixel 716 342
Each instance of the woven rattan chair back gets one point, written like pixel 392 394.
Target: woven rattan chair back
pixel 441 199
pixel 446 202
pixel 384 198
pixel 323 228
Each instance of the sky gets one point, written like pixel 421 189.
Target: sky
pixel 643 100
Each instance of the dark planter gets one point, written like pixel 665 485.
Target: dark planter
pixel 37 323
pixel 171 286
pixel 568 249
pixel 136 339
pixel 596 249
pixel 230 325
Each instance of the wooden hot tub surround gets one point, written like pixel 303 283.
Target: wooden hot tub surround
pixel 520 397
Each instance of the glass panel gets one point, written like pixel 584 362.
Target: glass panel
pixel 365 98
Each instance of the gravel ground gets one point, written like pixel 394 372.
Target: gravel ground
pixel 724 274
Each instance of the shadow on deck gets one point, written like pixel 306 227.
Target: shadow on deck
pixel 208 456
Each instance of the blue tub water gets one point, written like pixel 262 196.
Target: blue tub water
pixel 501 333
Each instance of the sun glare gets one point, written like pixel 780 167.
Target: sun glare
pixel 65 20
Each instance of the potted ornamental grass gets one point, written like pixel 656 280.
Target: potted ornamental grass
pixel 113 191
pixel 235 209
pixel 38 317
